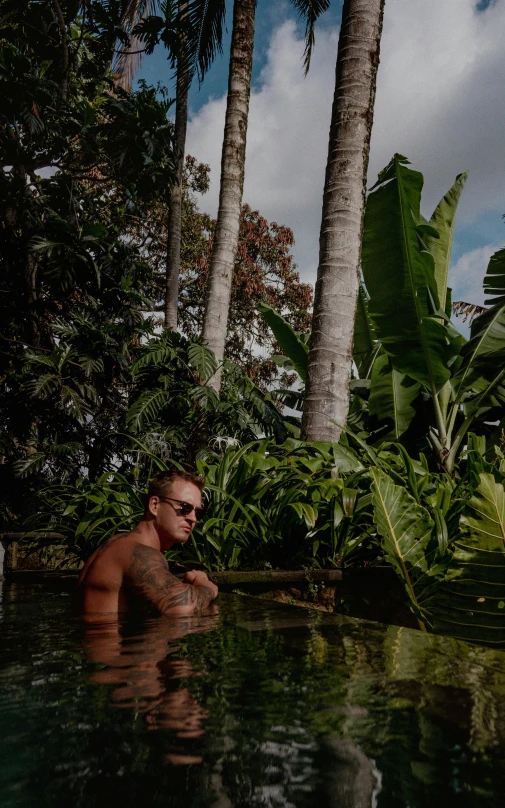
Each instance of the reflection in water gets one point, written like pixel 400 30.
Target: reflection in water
pixel 267 707
pixel 148 681
pixel 352 780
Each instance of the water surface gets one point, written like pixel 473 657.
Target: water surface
pixel 256 704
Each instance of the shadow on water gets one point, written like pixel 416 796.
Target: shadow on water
pixel 255 704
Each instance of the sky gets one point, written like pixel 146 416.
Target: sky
pixel 440 102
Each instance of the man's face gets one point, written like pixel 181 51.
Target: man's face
pixel 172 526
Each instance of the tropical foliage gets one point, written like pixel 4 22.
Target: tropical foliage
pixel 96 394
pixel 83 189
pixel 267 504
pixel 448 547
pixel 78 156
pixel 264 271
pixel 407 258
pixel 420 381
pixel 424 386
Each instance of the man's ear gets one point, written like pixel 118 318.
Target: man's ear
pixel 153 505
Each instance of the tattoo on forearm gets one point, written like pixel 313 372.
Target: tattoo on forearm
pixel 150 579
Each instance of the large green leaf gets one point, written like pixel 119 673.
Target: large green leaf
pixel 410 547
pixel 391 396
pixel 486 347
pixel 483 355
pixel 202 359
pixel 154 354
pixel 294 347
pixel 400 277
pixel 365 340
pixel 494 282
pixel 470 604
pixel 444 220
pixel 146 408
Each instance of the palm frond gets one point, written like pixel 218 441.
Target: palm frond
pixel 70 447
pixel 157 355
pixel 202 359
pixel 29 464
pixel 290 398
pixel 43 386
pixel 72 401
pixel 128 61
pixel 207 396
pixel 310 10
pixel 146 409
pixel 205 34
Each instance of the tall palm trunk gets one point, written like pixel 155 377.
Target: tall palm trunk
pixel 175 194
pixel 336 293
pixel 64 48
pixel 232 182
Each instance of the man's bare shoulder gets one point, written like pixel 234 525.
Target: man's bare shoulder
pixel 125 536
pixel 147 564
pixel 112 556
pixel 122 542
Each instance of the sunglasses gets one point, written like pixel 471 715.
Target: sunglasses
pixel 184 508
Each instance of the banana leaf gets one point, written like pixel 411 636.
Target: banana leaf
pixel 483 356
pixel 294 347
pixel 470 603
pixel 486 347
pixel 408 542
pixel 399 274
pixel 494 282
pixel 391 396
pixel 444 220
pixel 365 340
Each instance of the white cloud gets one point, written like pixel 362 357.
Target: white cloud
pixel 467 274
pixel 441 98
pixel 440 101
pixel 466 277
pixel 287 139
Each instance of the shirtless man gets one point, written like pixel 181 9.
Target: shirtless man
pixel 129 571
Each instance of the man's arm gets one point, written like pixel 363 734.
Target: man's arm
pixel 149 578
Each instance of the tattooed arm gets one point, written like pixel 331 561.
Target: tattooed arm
pixel 149 579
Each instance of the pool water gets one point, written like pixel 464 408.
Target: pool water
pixel 256 704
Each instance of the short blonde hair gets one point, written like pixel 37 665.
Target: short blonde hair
pixel 162 481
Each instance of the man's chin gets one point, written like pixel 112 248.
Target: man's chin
pixel 173 540
pixel 183 537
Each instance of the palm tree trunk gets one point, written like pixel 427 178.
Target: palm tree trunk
pixel 336 293
pixel 64 49
pixel 232 182
pixel 175 194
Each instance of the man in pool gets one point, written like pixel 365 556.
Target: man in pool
pixel 130 573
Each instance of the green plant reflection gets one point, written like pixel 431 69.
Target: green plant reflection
pixel 257 705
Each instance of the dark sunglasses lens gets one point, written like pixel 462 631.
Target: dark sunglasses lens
pixel 185 508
